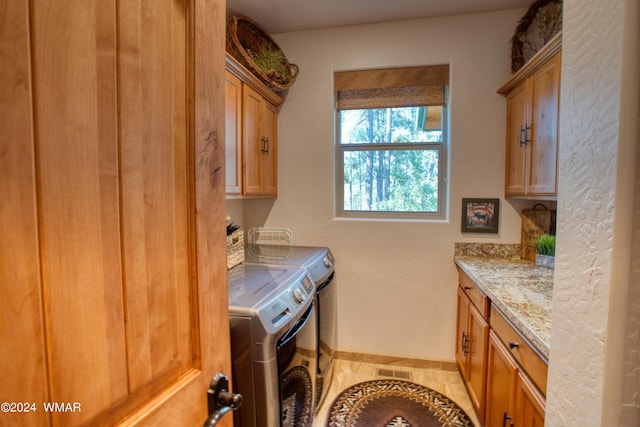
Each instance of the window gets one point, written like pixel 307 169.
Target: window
pixel 391 142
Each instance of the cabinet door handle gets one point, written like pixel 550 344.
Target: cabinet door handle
pixel 513 345
pixel 465 343
pixel 505 418
pixel 521 136
pixel 265 145
pixel 527 134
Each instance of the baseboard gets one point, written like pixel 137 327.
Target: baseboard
pixel 396 361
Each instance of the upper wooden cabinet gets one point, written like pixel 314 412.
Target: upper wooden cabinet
pixel 533 97
pixel 250 135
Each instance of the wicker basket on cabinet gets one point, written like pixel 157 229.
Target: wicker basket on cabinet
pixel 245 39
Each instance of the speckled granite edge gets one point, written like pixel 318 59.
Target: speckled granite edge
pixel 494 250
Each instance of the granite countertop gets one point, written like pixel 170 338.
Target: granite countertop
pixel 520 290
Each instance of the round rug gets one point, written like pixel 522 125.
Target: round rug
pixel 297 398
pixel 395 403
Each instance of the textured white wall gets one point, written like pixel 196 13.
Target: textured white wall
pixel 593 287
pixel 397 280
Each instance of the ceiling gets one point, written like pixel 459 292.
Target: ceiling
pixel 283 16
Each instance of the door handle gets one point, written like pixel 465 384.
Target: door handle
pixel 220 401
pixel 265 145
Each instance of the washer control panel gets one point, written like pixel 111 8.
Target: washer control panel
pixel 288 302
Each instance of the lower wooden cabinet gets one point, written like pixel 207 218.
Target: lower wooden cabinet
pixel 505 377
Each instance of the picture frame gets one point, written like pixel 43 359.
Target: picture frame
pixel 480 215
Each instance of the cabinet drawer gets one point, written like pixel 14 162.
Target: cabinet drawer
pixel 530 361
pixel 477 297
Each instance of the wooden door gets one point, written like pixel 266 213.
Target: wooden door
pixel 543 148
pixel 252 108
pixel 501 382
pixel 233 133
pixel 269 158
pixel 515 155
pixel 476 367
pixel 113 271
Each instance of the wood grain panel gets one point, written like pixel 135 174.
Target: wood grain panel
pixel 75 78
pixel 269 166
pixel 153 150
pixel 530 404
pixel 233 134
pixel 476 368
pixel 543 155
pixel 252 108
pixel 113 259
pixel 516 121
pixel 22 360
pixel 210 210
pixel 501 383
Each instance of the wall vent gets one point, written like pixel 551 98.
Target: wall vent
pixel 405 375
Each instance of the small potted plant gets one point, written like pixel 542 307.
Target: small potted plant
pixel 546 247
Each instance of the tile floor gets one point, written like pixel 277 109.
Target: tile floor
pixel 347 373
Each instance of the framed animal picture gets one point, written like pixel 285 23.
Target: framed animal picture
pixel 480 215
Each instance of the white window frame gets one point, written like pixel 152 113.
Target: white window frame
pixel 443 171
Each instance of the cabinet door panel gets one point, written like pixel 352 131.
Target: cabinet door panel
pixel 252 107
pixel 516 122
pixel 23 356
pixel 269 158
pixel 233 134
pixel 501 384
pixel 543 149
pixel 529 404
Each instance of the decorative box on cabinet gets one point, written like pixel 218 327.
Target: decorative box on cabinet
pixel 251 134
pixel 471 340
pixel 533 96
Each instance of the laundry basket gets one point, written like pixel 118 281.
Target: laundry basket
pixel 270 243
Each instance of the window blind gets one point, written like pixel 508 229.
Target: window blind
pixel 391 87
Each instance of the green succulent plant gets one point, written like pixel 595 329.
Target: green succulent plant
pixel 546 244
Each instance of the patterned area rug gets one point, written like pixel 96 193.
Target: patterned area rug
pixel 395 403
pixel 296 389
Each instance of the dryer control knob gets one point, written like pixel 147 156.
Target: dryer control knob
pixel 298 295
pixel 327 262
pixel 308 285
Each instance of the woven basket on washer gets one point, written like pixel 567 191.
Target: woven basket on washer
pixel 235 248
pixel 244 37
